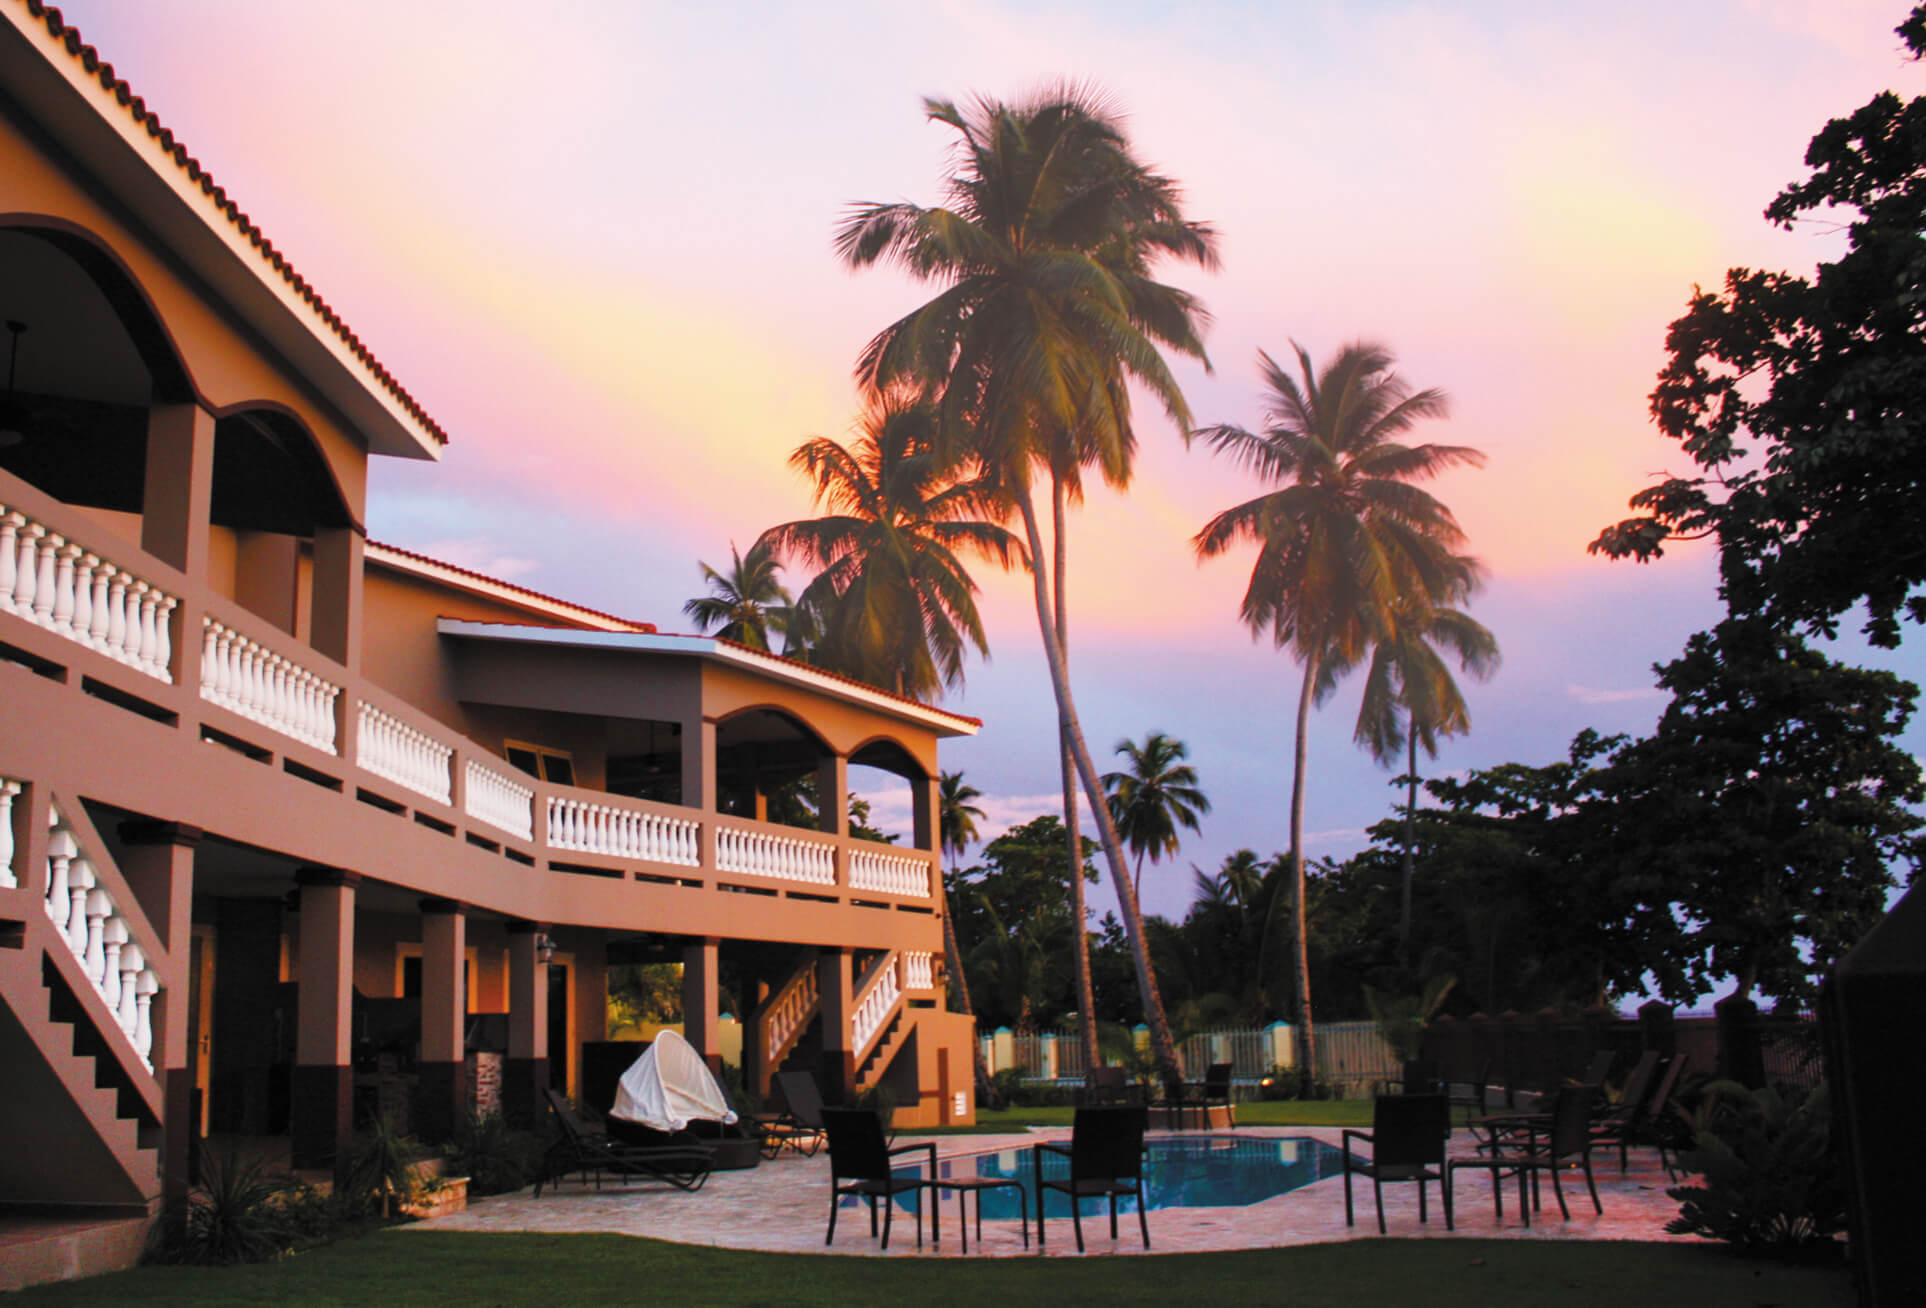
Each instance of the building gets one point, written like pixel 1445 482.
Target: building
pixel 268 789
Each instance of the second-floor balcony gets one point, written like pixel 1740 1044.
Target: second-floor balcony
pixel 107 624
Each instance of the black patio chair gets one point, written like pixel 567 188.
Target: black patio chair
pixel 1420 1076
pixel 1407 1139
pixel 860 1164
pixel 1568 1143
pixel 1612 1119
pixel 1106 1156
pixel 1182 1096
pixel 799 1126
pixel 1658 1123
pixel 1473 1095
pixel 591 1151
pixel 1105 1085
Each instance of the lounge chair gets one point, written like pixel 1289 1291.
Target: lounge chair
pixel 1656 1123
pixel 589 1150
pixel 1407 1139
pixel 1106 1156
pixel 799 1126
pixel 859 1164
pixel 1611 1120
pixel 1568 1143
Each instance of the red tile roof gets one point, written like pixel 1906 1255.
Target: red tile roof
pixel 626 623
pixel 137 108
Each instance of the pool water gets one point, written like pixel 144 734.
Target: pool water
pixel 1179 1172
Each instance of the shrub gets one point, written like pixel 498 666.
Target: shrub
pixel 238 1214
pixel 381 1172
pixel 495 1159
pixel 1767 1178
pixel 1294 1083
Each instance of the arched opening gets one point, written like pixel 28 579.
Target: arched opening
pixel 766 766
pixel 272 492
pixel 89 360
pixel 882 786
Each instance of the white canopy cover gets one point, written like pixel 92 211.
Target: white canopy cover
pixel 669 1087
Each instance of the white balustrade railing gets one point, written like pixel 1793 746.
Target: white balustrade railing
pixel 61 585
pixel 500 800
pixel 623 832
pixel 875 1004
pixel 389 747
pixel 919 971
pixel 789 1013
pixel 765 854
pixel 246 677
pixel 86 913
pixel 892 874
pixel 8 789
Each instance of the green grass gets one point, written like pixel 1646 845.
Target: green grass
pixel 396 1267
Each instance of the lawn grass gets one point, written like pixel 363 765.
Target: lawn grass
pixel 399 1267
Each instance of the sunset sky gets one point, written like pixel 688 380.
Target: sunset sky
pixel 593 239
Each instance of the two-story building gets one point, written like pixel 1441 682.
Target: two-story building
pixel 259 775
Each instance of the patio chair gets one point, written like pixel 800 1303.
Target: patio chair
pixel 589 1150
pixel 1659 1124
pixel 1106 1156
pixel 799 1126
pixel 1474 1095
pixel 1407 1139
pixel 1182 1096
pixel 1568 1143
pixel 1611 1120
pixel 1420 1076
pixel 859 1164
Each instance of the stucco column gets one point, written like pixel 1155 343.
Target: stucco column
pixel 701 990
pixel 177 505
pixel 925 803
pixel 832 793
pixel 699 784
pixel 525 1074
pixel 834 986
pixel 157 859
pixel 444 1019
pixel 337 595
pixel 323 1086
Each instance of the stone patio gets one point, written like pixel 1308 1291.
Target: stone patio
pixel 782 1207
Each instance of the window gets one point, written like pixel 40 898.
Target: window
pixel 548 764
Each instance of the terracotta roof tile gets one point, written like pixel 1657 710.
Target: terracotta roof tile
pixel 628 623
pixel 136 107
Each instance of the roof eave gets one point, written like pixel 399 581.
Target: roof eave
pixel 86 119
pixel 940 721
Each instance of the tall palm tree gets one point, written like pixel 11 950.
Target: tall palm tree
pixel 746 604
pixel 1156 796
pixel 956 831
pixel 1046 312
pixel 1344 539
pixel 1411 699
pixel 892 602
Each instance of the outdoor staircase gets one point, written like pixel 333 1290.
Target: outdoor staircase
pixel 886 998
pixel 80 1138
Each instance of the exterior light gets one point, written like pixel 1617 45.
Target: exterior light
pixel 544 947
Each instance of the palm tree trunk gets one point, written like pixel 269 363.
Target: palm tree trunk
pixel 1306 1037
pixel 1086 989
pixel 1410 814
pixel 985 1088
pixel 1162 1047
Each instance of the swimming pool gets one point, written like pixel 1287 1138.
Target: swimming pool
pixel 1179 1172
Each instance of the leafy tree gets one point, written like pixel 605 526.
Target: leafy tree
pixel 1799 397
pixel 891 601
pixel 1014 926
pixel 1156 796
pixel 1345 541
pixel 1047 311
pixel 1766 812
pixel 746 604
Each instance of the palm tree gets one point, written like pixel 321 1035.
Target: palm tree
pixel 1344 540
pixel 1411 699
pixel 892 602
pixel 1155 797
pixel 956 832
pixel 1046 312
pixel 747 604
